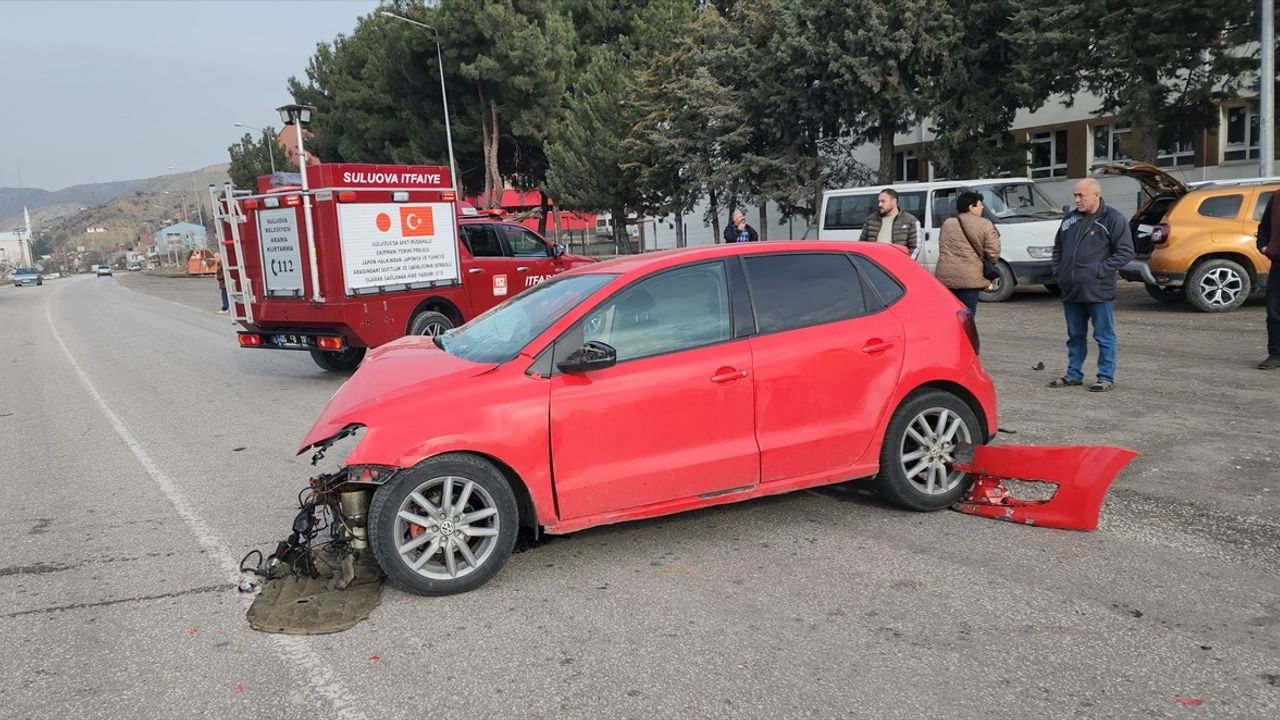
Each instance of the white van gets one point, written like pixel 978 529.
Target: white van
pixel 1025 217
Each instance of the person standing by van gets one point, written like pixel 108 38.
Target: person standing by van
pixel 222 282
pixel 1092 243
pixel 963 242
pixel 889 224
pixel 739 230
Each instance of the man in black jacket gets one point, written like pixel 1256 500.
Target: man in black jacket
pixel 739 230
pixel 1092 243
pixel 1269 245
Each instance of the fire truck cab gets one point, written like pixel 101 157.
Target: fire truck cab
pixel 394 254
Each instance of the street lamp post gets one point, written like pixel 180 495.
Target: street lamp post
pixel 300 115
pixel 195 193
pixel 271 155
pixel 444 95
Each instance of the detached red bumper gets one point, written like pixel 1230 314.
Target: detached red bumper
pixel 1082 474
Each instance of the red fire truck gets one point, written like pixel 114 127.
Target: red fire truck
pixel 394 254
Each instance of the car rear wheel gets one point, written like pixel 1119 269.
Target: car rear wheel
pixel 918 454
pixel 1167 295
pixel 1001 287
pixel 338 360
pixel 429 323
pixel 1218 285
pixel 445 526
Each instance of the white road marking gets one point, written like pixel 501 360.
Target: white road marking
pixel 322 680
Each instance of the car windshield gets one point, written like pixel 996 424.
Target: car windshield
pixel 1017 200
pixel 501 333
pixel 27 271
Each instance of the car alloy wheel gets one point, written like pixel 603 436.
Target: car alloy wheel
pixel 928 450
pixel 430 324
pixel 448 527
pixel 1220 287
pixel 917 456
pixel 444 526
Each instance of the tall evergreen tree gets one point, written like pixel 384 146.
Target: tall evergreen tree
pixel 253 155
pixel 1160 66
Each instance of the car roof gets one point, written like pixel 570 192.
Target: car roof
pixel 904 187
pixel 662 259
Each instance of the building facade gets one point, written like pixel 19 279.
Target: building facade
pixel 179 237
pixel 1065 142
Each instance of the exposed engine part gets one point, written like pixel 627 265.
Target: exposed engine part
pixel 354 506
pixel 332 502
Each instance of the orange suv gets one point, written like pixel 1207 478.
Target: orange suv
pixel 1197 241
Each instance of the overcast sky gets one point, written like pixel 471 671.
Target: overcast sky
pixel 101 90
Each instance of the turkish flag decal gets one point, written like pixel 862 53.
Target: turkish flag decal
pixel 417 220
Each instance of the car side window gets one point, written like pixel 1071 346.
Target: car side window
pixel 482 240
pixel 944 204
pixel 1221 206
pixel 1261 205
pixel 525 244
pixel 848 212
pixel 912 202
pixel 676 310
pixel 883 289
pixel 799 290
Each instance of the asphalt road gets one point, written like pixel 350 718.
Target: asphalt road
pixel 143 454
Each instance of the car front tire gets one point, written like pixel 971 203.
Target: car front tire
pixel 445 526
pixel 919 451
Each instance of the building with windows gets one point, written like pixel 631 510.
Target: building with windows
pixel 1065 142
pixel 179 237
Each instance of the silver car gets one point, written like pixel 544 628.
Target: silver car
pixel 27 276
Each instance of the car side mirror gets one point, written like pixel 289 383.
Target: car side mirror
pixel 557 250
pixel 594 355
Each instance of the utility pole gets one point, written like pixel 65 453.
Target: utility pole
pixel 1267 85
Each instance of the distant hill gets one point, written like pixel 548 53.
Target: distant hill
pixel 48 207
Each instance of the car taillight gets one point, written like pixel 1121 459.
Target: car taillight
pixel 249 339
pixel 1160 233
pixel 326 342
pixel 970 328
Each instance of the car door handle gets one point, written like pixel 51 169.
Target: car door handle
pixel 876 346
pixel 724 375
pixel 523 268
pixel 475 271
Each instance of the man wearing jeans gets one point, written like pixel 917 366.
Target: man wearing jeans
pixel 1092 243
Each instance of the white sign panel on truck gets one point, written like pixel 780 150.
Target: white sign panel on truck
pixel 281 257
pixel 398 245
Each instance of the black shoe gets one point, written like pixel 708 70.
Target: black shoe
pixel 1065 381
pixel 1271 363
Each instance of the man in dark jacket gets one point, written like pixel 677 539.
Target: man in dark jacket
pixel 1269 245
pixel 889 224
pixel 1092 243
pixel 739 231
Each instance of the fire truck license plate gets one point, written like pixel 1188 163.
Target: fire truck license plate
pixel 291 341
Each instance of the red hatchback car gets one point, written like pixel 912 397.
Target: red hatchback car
pixel 651 385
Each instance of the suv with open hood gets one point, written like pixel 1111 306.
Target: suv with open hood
pixel 1196 241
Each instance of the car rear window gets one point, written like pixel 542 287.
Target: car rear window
pixel 799 290
pixel 1221 206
